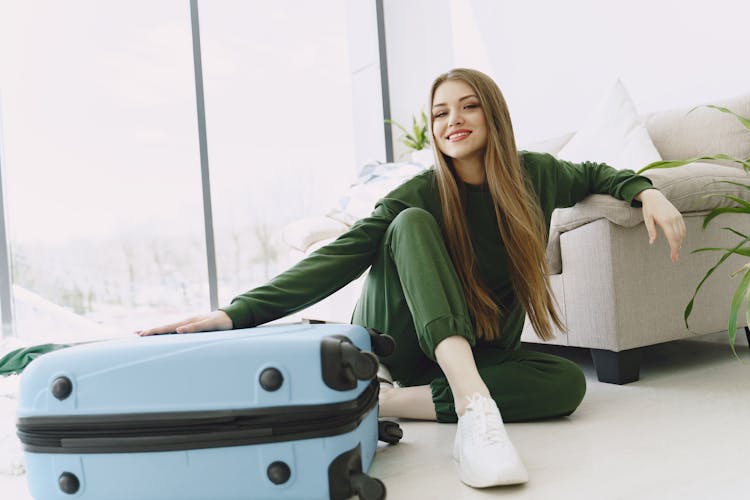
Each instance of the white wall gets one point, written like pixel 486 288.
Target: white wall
pixel 554 61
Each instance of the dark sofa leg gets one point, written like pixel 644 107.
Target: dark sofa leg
pixel 747 334
pixel 620 367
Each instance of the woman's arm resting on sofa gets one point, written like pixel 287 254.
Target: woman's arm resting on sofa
pixel 658 210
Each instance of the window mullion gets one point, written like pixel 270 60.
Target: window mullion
pixel 207 207
pixel 6 296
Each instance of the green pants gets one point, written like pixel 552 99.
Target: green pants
pixel 413 294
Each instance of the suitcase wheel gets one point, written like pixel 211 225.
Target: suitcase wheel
pixel 382 345
pixel 389 432
pixel 343 363
pixel 366 487
pixel 364 364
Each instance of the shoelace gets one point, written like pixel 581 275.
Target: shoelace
pixel 487 428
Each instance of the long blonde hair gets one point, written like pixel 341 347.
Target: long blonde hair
pixel 519 218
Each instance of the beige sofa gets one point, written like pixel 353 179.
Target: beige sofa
pixel 616 292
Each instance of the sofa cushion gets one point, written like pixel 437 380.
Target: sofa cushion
pixel 678 135
pixel 613 134
pixel 690 188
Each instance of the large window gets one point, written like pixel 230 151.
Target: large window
pixel 102 164
pixel 279 120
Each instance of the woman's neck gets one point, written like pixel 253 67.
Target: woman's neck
pixel 470 171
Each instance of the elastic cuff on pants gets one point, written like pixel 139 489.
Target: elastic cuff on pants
pixel 442 397
pixel 440 329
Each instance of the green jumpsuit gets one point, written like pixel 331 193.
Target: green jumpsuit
pixel 413 294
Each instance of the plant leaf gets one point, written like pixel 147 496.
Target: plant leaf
pixel 744 121
pixel 680 163
pixel 666 164
pixel 689 307
pixel 746 267
pixel 723 210
pixel 401 127
pixel 415 126
pixel 740 295
pixel 418 137
pixel 730 197
pixel 745 252
pixel 706 249
pixel 743 163
pixel 741 235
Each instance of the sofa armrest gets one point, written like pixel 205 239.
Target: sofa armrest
pixel 622 293
pixel 693 189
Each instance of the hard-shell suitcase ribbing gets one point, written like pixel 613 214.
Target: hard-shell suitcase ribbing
pixel 273 412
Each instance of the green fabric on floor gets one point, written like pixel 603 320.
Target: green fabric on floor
pixel 15 361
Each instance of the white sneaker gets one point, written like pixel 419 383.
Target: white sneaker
pixel 483 450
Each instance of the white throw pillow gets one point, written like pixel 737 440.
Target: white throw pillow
pixel 613 134
pixel 302 233
pixel 375 180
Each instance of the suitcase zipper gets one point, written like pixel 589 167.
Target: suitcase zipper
pixel 150 432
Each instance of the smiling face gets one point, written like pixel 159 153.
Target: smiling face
pixel 458 123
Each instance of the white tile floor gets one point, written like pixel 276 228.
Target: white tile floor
pixel 681 432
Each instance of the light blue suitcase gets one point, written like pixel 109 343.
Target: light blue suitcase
pixel 276 412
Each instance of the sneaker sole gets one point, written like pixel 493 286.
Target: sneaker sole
pixel 518 477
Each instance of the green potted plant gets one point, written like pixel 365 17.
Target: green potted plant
pixel 742 293
pixel 416 140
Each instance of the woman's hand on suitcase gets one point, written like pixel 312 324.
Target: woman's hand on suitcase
pixel 216 320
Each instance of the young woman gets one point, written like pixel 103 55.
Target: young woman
pixel 457 259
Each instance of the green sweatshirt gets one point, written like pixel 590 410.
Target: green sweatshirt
pixel 556 184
